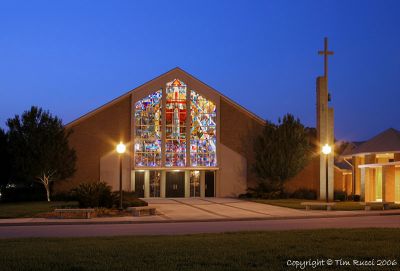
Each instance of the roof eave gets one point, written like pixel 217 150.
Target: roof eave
pixel 116 100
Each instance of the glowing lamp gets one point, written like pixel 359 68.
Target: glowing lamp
pixel 326 149
pixel 121 148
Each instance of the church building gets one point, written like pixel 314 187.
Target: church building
pixel 183 138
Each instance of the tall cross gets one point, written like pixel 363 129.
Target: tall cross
pixel 325 53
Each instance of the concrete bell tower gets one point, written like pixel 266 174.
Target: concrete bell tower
pixel 325 129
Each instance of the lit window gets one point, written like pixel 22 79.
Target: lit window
pixel 202 121
pixel 203 131
pixel 175 118
pixel 148 130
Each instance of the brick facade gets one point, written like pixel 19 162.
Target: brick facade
pixel 238 132
pixel 94 137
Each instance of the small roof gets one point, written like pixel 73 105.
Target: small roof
pixel 343 165
pixel 387 141
pixel 348 150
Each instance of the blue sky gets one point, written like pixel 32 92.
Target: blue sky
pixel 72 56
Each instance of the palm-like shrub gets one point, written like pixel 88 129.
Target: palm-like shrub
pixel 93 195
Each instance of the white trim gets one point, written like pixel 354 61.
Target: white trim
pixel 368 153
pixel 379 165
pixel 176 168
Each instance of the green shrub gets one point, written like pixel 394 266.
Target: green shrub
pixel 93 195
pixel 64 196
pixel 261 194
pixel 129 199
pixel 340 196
pixel 247 195
pixel 17 192
pixel 354 198
pixel 304 193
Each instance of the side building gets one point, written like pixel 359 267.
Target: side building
pixel 376 167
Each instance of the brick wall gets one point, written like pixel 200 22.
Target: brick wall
pixel 238 132
pixel 95 136
pixel 308 178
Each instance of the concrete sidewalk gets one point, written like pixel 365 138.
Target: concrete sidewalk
pixel 202 210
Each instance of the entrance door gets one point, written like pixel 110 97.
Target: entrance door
pixel 210 184
pixel 195 183
pixel 175 185
pixel 139 184
pixel 155 179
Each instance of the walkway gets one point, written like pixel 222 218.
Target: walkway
pixel 229 208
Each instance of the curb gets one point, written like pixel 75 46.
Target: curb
pixel 63 223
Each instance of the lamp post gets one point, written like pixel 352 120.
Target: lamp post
pixel 326 149
pixel 121 148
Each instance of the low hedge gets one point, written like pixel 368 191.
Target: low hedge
pixel 304 193
pixel 97 194
pixel 100 195
pixel 129 199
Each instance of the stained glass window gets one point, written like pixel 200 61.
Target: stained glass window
pixel 203 131
pixel 148 136
pixel 175 117
pixel 148 130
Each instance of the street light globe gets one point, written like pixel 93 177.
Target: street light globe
pixel 121 148
pixel 326 149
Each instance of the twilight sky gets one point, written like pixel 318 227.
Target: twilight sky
pixel 72 56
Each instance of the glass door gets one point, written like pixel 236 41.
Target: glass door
pixel 155 179
pixel 195 183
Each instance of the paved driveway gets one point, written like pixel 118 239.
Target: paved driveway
pixel 224 208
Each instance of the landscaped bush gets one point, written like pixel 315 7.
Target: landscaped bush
pixel 22 192
pixel 93 195
pixel 129 199
pixel 354 198
pixel 247 195
pixel 99 194
pixel 303 193
pixel 270 195
pixel 259 194
pixel 64 196
pixel 340 196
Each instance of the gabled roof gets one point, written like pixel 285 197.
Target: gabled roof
pixel 350 147
pixel 177 71
pixel 387 141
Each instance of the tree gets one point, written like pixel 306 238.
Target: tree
pixel 281 152
pixel 39 145
pixel 5 170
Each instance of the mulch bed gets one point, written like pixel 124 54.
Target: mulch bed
pixel 97 213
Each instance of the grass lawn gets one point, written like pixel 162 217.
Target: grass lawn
pixel 340 205
pixel 229 251
pixel 30 209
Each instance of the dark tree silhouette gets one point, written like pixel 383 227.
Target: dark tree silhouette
pixel 281 151
pixel 5 165
pixel 38 143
